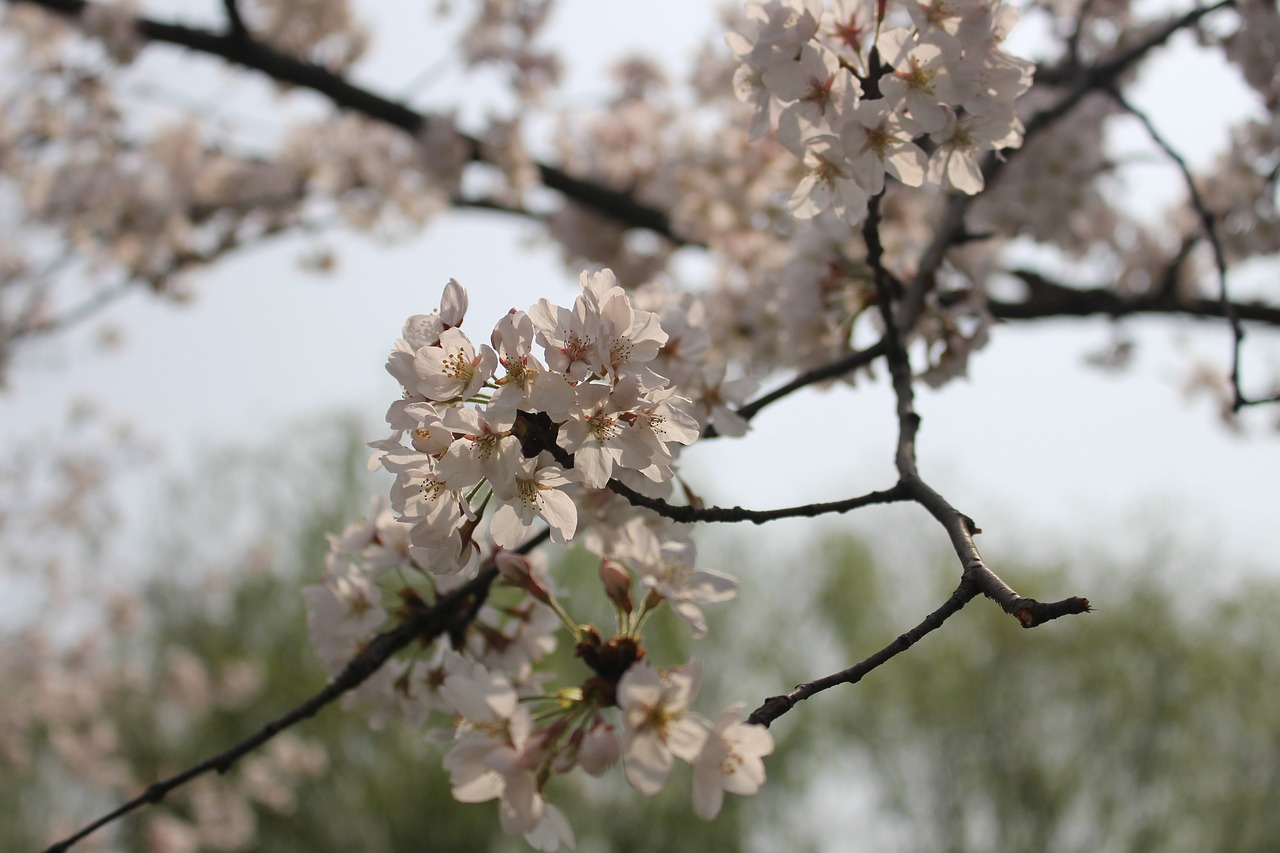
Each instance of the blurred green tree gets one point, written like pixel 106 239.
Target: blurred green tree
pixel 1154 725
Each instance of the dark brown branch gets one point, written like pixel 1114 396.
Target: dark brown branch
pixel 256 56
pixel 895 350
pixel 235 23
pixel 977 578
pixel 960 528
pixel 839 367
pixel 690 514
pixel 538 433
pixel 426 626
pixel 1047 299
pixel 1030 614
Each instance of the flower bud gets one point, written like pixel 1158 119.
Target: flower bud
pixel 518 571
pixel 600 749
pixel 617 583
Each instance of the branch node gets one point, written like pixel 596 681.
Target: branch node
pixel 1031 613
pixel 773 707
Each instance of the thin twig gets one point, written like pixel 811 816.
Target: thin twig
pixel 833 370
pixel 776 706
pixel 689 514
pixel 1208 222
pixel 1048 300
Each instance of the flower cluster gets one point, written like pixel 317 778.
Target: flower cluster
pixel 850 92
pixel 530 430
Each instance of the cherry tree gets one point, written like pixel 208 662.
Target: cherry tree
pixel 874 188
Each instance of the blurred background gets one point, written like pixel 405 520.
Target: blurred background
pixel 170 469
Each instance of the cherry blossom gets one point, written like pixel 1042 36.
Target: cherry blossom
pixel 731 760
pixel 828 183
pixel 453 369
pixel 533 492
pixel 657 726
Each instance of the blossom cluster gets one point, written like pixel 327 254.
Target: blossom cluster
pixel 850 91
pixel 489 443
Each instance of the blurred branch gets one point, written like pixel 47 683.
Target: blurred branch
pixel 426 626
pixel 1209 223
pixel 28 325
pixel 242 50
pixel 1082 82
pixel 235 23
pixel 1047 299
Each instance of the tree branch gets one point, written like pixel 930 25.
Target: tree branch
pixel 235 23
pixel 1208 222
pixel 1047 299
pixel 960 528
pixel 256 56
pixel 833 370
pixel 690 514
pixel 1083 82
pixel 426 626
pixel 776 706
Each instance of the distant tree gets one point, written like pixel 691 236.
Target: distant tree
pixel 1146 732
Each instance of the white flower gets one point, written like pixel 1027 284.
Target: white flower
pixel 343 612
pixel 820 92
pixel 568 337
pixel 920 80
pixel 876 142
pixel 597 434
pixel 954 162
pixel 552 831
pixel 657 724
pixel 729 761
pixel 528 385
pixel 828 182
pixel 533 492
pixel 628 338
pixel 716 399
pixel 600 749
pixel 421 497
pixel 476 693
pixel 655 421
pixel 423 330
pixel 453 370
pixel 491 763
pixel 487 449
pixel 671 574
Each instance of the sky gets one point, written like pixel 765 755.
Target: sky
pixel 1047 454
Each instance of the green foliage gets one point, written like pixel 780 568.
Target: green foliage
pixel 1151 725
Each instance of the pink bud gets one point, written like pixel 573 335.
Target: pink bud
pixel 518 571
pixel 600 749
pixel 617 583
